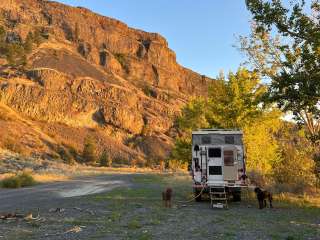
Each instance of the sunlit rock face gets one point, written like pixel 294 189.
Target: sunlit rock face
pixel 93 72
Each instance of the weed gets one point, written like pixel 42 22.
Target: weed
pixel 134 224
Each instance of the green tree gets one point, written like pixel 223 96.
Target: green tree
pixel 105 160
pixel 235 102
pixel 194 116
pixel 89 151
pixel 285 47
pixel 2 34
pixel 182 150
pixel 37 37
pixel 15 54
pixel 28 44
pixel 3 47
pixel 262 147
pixel 296 171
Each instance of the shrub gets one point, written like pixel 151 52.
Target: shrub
pixel 28 44
pixel 295 173
pixel 38 37
pixel 105 160
pixel 15 54
pixel 148 91
pixel 121 58
pixel 26 179
pixel 89 150
pixel 14 146
pixel 20 180
pixel 73 152
pixel 11 182
pixel 2 34
pixel 66 156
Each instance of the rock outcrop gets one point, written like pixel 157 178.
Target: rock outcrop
pixel 94 72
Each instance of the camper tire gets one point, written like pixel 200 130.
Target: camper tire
pixel 197 197
pixel 236 196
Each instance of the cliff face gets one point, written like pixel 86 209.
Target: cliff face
pixel 93 75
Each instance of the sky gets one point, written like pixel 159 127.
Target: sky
pixel 202 33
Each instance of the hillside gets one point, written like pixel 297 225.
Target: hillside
pixel 88 75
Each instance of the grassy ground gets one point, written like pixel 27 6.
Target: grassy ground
pixel 136 212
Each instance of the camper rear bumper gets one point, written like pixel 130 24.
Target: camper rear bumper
pixel 200 186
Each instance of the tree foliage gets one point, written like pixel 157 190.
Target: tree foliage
pixel 105 160
pixel 290 57
pixel 296 170
pixel 89 151
pixel 28 44
pixel 233 103
pixel 262 148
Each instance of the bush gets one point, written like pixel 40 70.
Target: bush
pixel 105 160
pixel 15 54
pixel 26 179
pixel 121 58
pixel 20 180
pixel 28 44
pixel 14 146
pixel 295 173
pixel 89 149
pixel 11 182
pixel 66 156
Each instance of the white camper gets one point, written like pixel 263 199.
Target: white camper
pixel 218 163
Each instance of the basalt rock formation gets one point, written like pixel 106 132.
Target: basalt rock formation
pixel 89 75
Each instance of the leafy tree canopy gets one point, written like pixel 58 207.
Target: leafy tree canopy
pixel 285 46
pixel 235 102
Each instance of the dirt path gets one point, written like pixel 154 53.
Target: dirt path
pixel 42 196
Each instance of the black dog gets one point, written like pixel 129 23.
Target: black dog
pixel 262 195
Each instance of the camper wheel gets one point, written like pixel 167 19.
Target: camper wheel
pixel 236 196
pixel 197 195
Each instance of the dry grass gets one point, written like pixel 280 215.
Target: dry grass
pixel 6 114
pixel 300 200
pixel 50 177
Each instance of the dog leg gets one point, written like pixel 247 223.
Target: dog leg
pixel 270 201
pixel 260 204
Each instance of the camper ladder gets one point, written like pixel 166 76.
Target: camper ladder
pixel 219 197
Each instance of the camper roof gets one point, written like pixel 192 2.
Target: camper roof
pixel 218 131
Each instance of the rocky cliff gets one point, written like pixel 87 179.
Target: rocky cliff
pixel 89 75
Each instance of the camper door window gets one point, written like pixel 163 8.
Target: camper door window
pixel 228 157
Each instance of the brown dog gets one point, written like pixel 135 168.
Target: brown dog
pixel 167 197
pixel 262 195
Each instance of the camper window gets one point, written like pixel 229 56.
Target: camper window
pixel 215 170
pixel 228 157
pixel 229 139
pixel 214 152
pixel 206 140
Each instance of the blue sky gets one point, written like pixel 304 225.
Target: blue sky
pixel 202 33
